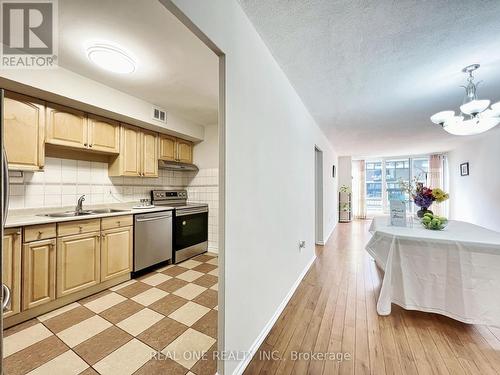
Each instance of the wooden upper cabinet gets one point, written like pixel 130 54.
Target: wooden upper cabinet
pixel 149 154
pixel 66 127
pixel 138 153
pixel 168 148
pixel 11 269
pixel 184 151
pixel 78 262
pixel 175 149
pixel 128 162
pixel 104 134
pixel 24 132
pixel 38 273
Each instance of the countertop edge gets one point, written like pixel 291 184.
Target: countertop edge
pixel 28 220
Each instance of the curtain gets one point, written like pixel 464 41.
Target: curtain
pixel 435 180
pixel 359 189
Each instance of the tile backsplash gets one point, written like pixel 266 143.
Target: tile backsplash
pixel 64 180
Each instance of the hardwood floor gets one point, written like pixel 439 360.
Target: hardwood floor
pixel 334 311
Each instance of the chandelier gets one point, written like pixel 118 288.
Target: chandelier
pixel 475 117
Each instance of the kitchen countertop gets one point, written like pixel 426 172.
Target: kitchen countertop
pixel 25 217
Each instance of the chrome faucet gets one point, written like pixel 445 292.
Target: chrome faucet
pixel 78 208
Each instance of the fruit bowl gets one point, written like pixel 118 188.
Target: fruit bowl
pixel 434 222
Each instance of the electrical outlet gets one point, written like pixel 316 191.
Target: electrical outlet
pixel 302 245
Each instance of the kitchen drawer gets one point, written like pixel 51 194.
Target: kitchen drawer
pixel 39 232
pixel 77 227
pixel 117 222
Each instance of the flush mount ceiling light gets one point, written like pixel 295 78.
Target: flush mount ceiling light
pixel 111 58
pixel 475 116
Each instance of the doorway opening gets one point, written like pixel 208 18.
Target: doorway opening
pixel 318 195
pixel 171 318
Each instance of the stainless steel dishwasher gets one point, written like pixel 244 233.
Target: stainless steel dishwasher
pixel 152 239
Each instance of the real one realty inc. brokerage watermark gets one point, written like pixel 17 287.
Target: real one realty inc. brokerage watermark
pixel 29 34
pixel 265 355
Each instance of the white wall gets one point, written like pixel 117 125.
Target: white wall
pixel 206 153
pixel 96 98
pixel 476 198
pixel 345 171
pixel 269 191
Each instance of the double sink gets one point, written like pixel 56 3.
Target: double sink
pixel 83 212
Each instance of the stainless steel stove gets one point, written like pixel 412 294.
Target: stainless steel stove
pixel 190 225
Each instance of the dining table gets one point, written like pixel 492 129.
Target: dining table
pixel 453 272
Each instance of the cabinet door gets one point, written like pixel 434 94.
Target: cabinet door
pixel 24 127
pixel 39 273
pixel 116 252
pixel 11 269
pixel 149 154
pixel 184 151
pixel 128 163
pixel 66 127
pixel 104 134
pixel 167 148
pixel 78 262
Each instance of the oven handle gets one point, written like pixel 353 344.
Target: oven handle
pixel 191 211
pixel 153 218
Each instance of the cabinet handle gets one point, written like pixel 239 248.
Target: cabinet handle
pixel 90 145
pixel 85 144
pixel 40 233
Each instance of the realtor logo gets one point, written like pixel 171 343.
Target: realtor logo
pixel 29 34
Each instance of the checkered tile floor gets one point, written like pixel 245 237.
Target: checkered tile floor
pixel 172 311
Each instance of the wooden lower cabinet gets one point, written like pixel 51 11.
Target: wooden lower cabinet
pixel 116 252
pixel 78 262
pixel 38 273
pixel 11 269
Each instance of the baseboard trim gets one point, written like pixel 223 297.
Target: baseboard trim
pixel 267 328
pixel 322 243
pixel 331 232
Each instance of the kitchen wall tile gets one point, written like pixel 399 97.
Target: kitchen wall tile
pixel 63 181
pixel 69 200
pixel 16 189
pixel 34 177
pixel 16 202
pixel 69 169
pixel 83 189
pixel 32 189
pixel 52 170
pixel 53 200
pixel 34 201
pixel 68 189
pixel 53 189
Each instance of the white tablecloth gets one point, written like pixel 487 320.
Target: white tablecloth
pixel 454 272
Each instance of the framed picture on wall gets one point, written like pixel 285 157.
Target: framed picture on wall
pixel 464 169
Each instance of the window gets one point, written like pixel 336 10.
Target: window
pixel 383 181
pixel 373 186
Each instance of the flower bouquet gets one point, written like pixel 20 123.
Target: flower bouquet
pixel 423 196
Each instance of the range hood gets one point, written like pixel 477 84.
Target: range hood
pixel 176 166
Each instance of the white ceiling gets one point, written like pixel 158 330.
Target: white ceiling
pixel 175 70
pixel 371 72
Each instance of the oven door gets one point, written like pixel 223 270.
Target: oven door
pixel 190 232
